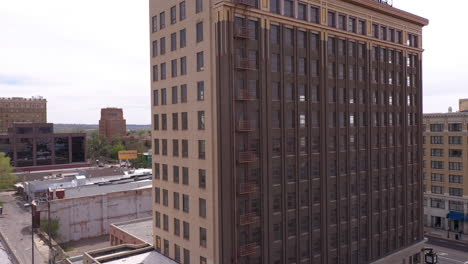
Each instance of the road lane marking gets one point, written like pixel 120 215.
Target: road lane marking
pixel 454 260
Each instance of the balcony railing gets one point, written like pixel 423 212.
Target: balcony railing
pixel 246 63
pixel 248 219
pixel 247 156
pixel 246 125
pixel 243 32
pixel 250 3
pixel 248 187
pixel 248 249
pixel 246 95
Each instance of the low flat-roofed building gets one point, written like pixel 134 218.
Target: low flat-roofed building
pixel 87 211
pixel 151 257
pixel 135 232
pixel 36 145
pixel 143 254
pixel 89 172
pixel 106 188
pixel 80 183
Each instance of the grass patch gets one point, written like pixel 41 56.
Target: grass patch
pixel 68 249
pixel 1 203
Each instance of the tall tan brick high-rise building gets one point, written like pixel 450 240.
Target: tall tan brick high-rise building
pixel 112 123
pixel 446 173
pixel 21 110
pixel 286 131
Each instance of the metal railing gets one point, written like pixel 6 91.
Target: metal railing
pixel 246 63
pixel 246 94
pixel 248 219
pixel 246 125
pixel 250 3
pixel 243 32
pixel 248 187
pixel 247 156
pixel 248 249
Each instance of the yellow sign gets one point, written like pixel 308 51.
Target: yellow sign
pixel 128 154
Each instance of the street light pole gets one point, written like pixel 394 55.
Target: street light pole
pixel 49 229
pixel 32 232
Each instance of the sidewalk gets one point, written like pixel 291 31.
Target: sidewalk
pixel 15 226
pixel 442 234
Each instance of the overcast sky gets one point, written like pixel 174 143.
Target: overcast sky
pixel 89 54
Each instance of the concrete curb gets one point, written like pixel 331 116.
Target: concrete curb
pixel 9 249
pixel 446 239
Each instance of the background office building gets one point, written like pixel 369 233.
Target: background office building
pixel 446 172
pixel 22 110
pixel 112 123
pixel 286 131
pixel 30 145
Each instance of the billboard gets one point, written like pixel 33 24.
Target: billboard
pixel 128 154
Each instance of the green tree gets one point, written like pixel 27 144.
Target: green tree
pixel 143 132
pixel 140 163
pixel 7 178
pixel 135 144
pixel 115 150
pixel 54 227
pixel 99 147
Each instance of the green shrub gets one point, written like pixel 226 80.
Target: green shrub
pixel 54 227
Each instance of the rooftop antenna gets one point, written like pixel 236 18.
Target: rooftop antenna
pixel 387 2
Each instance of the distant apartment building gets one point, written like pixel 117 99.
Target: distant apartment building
pixel 112 123
pixel 31 145
pixel 286 131
pixel 21 110
pixel 446 172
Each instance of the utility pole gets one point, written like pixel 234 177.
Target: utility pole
pixel 32 232
pixel 49 230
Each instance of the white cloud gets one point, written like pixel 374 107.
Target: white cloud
pixel 81 56
pixel 445 64
pixel 88 54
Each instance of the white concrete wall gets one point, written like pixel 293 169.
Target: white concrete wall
pixel 91 216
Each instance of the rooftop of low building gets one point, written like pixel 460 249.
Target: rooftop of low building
pixel 123 254
pixel 98 189
pixel 140 228
pixel 151 257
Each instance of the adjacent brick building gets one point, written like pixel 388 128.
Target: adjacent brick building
pixel 21 110
pixel 287 131
pixel 112 123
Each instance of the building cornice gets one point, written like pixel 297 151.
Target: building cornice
pixel 445 115
pixel 17 99
pixel 390 11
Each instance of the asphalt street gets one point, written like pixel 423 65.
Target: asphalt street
pixel 4 256
pixel 15 226
pixel 449 251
